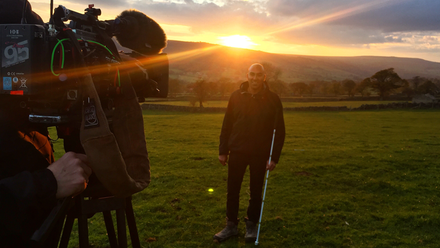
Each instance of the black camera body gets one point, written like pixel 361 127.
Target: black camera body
pixel 24 48
pixel 43 64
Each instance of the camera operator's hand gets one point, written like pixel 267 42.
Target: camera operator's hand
pixel 72 174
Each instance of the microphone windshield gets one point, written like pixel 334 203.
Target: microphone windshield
pixel 137 31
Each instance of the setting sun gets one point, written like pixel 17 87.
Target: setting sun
pixel 239 41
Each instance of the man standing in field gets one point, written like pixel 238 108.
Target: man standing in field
pixel 246 137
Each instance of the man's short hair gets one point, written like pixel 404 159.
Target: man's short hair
pixel 258 64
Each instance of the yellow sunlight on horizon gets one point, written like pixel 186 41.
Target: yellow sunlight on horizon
pixel 239 41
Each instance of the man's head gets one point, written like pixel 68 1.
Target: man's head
pixel 256 77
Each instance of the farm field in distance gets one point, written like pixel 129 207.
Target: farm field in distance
pixel 349 104
pixel 345 179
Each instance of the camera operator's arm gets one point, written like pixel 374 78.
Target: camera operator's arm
pixel 72 174
pixel 28 197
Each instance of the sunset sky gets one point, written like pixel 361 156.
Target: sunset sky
pixel 401 28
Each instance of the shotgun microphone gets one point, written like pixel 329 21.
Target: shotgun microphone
pixel 137 31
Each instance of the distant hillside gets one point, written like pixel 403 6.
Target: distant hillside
pixel 188 60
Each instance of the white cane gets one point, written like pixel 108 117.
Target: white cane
pixel 265 186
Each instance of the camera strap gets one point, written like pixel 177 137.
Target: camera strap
pixel 119 159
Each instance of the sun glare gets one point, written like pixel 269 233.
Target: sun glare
pixel 239 41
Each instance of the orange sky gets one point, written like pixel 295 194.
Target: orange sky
pixel 314 27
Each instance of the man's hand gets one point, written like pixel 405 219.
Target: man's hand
pixel 270 166
pixel 223 159
pixel 72 174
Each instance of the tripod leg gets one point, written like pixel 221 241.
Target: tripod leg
pixel 66 231
pixel 83 231
pixel 54 238
pixel 135 243
pixel 110 229
pixel 122 232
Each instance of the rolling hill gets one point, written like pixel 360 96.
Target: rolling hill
pixel 190 60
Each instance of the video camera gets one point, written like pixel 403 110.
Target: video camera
pixel 43 63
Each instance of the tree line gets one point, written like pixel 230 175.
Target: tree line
pixel 383 84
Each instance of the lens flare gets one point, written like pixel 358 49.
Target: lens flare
pixel 332 14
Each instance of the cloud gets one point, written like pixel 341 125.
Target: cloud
pixel 385 15
pixel 358 23
pixel 407 16
pixel 408 24
pixel 318 21
pixel 221 17
pixel 335 36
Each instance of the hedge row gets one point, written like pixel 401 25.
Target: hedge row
pixel 401 105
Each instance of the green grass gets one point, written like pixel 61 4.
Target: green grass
pixel 349 104
pixel 345 179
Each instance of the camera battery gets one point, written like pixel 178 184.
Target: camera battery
pixel 23 59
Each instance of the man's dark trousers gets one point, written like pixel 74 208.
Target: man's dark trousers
pixel 237 165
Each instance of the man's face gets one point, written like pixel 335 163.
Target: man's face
pixel 256 77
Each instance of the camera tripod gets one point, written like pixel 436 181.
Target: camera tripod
pixel 56 231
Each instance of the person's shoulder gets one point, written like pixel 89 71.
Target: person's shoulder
pixel 236 92
pixel 235 96
pixel 240 90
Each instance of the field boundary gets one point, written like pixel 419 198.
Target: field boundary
pixel 401 105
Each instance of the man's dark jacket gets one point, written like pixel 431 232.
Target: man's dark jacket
pixel 27 187
pixel 249 123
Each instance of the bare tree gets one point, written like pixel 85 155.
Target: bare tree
pixel 429 87
pixel 407 89
pixel 363 87
pixel 416 81
pixel 299 88
pixel 336 87
pixel 326 88
pixel 349 86
pixel 273 73
pixel 201 90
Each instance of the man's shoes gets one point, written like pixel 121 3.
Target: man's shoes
pixel 229 231
pixel 251 232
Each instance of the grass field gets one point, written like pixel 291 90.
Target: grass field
pixel 349 104
pixel 345 179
